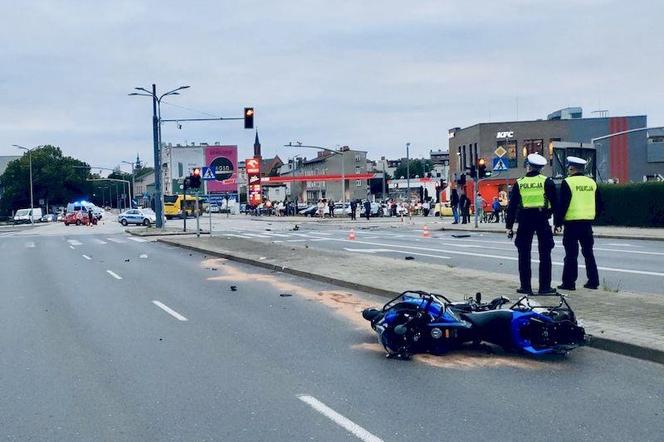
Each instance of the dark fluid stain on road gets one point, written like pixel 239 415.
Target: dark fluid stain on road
pixel 350 307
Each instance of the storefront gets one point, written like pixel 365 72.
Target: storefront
pixel 505 147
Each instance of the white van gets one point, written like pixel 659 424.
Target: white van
pixel 27 215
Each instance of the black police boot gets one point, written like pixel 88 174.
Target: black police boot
pixel 566 287
pixel 523 291
pixel 590 286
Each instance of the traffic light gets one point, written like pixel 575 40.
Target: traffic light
pixel 248 117
pixel 481 169
pixel 195 178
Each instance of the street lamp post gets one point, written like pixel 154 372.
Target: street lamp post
pixel 343 169
pixel 32 201
pixel 408 172
pixel 131 189
pixel 156 143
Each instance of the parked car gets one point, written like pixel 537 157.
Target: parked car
pixel 376 209
pixel 309 211
pixel 27 216
pixel 78 217
pixel 214 208
pixel 144 217
pixel 49 218
pixel 341 211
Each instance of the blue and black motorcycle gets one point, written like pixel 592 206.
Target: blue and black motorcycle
pixel 421 322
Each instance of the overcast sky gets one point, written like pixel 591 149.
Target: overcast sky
pixel 369 74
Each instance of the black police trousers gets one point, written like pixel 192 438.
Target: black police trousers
pixel 529 225
pixel 575 233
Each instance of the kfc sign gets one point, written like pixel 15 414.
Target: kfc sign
pixel 506 134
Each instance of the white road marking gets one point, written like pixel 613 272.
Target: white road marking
pixel 30 244
pixel 170 311
pixel 255 235
pixel 638 252
pixel 72 247
pixel 133 238
pixel 116 240
pixel 235 236
pixel 397 251
pixel 281 235
pixel 143 256
pixel 74 242
pixel 86 257
pixel 321 233
pixel 620 245
pixel 509 258
pixel 338 419
pixel 99 241
pixel 296 240
pixel 113 274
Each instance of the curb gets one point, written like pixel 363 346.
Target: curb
pixel 610 345
pixel 133 233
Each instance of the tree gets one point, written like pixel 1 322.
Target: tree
pixel 56 179
pixel 417 168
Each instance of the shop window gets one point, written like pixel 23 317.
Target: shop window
pixel 511 147
pixel 532 146
pixel 358 169
pixel 551 141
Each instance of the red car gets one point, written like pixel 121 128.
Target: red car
pixel 78 217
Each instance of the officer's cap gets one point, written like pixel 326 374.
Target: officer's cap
pixel 576 161
pixel 537 160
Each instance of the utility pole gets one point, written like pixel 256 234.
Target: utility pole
pixel 384 180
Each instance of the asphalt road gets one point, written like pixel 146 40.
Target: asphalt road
pixel 632 265
pixel 105 337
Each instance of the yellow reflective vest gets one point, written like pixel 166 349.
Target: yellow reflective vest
pixel 531 189
pixel 582 205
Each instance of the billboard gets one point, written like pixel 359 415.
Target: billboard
pixel 253 167
pixel 222 160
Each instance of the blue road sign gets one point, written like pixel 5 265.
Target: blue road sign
pixel 208 174
pixel 500 163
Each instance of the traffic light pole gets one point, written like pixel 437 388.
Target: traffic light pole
pixel 183 206
pixel 198 225
pixel 476 182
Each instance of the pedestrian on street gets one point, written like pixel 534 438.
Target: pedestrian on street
pixel 393 207
pixel 90 215
pixel 464 207
pixel 454 203
pixel 330 205
pixel 496 208
pixel 532 201
pixel 479 206
pixel 367 209
pixel 426 206
pixel 353 210
pixel 321 208
pixel 580 203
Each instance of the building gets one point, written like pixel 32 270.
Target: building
pixel 328 167
pixel 621 158
pixel 441 164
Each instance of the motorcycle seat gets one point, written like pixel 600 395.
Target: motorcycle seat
pixel 498 319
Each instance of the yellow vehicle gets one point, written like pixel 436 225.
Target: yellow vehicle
pixel 177 206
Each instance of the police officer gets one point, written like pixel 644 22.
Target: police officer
pixel 532 201
pixel 579 204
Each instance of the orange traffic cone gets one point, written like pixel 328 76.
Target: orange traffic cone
pixel 425 232
pixel 351 234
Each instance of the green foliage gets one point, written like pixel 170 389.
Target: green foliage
pixel 634 205
pixel 417 168
pixel 56 178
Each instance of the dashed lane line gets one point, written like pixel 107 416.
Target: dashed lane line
pixel 133 238
pixel 170 311
pixel 113 274
pixel 74 242
pixel 30 244
pixel 116 240
pixel 86 257
pixel 339 419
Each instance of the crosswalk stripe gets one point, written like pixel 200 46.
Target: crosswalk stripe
pixel 115 240
pixel 133 238
pixel 255 235
pixel 74 242
pixel 99 241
